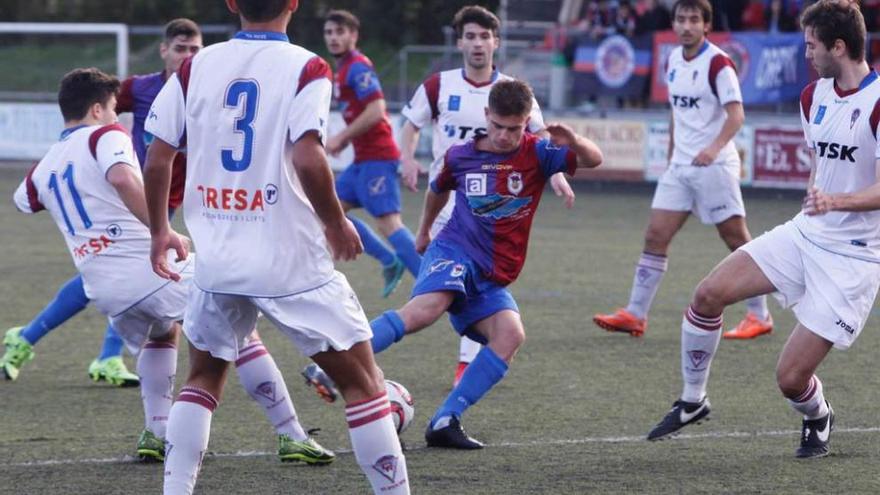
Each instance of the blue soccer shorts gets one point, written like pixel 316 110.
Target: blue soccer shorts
pixel 373 185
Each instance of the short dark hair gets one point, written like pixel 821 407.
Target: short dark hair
pixel 833 20
pixel 343 18
pixel 261 10
pixel 703 6
pixel 181 27
pixel 477 15
pixel 82 88
pixel 511 98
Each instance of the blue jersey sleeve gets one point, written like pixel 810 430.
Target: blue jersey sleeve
pixel 555 159
pixel 362 78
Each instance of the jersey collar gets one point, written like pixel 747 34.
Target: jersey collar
pixel 699 52
pixel 871 77
pixel 70 130
pixel 480 84
pixel 261 36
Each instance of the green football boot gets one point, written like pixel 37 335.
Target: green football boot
pixel 150 447
pixel 113 371
pixel 18 352
pixel 392 275
pixel 308 451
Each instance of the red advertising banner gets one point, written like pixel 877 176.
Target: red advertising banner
pixel 782 158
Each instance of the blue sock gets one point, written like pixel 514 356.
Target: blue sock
pixel 388 328
pixel 112 344
pixel 405 247
pixel 70 300
pixel 373 245
pixel 482 374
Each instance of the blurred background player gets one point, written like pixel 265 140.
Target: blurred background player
pixel 220 100
pixel 455 102
pixel 98 204
pixel 182 39
pixel 499 178
pixel 703 173
pixel 825 262
pixel 371 182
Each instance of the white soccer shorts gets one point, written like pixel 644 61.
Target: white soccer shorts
pixel 831 294
pixel 324 318
pixel 154 315
pixel 712 192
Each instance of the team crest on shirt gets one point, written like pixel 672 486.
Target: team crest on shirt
pixel 515 182
pixel 672 75
pixel 694 78
pixel 113 230
pixel 854 117
pixel 387 467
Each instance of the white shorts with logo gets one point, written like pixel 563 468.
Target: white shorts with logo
pixel 324 318
pixel 712 192
pixel 831 294
pixel 154 315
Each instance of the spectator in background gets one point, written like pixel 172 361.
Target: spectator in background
pixel 753 17
pixel 781 16
pixel 625 20
pixel 652 16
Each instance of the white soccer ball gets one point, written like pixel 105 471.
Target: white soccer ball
pixel 402 405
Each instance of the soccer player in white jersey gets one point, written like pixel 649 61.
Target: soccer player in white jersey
pixel 454 101
pixel 703 173
pixel 265 220
pixel 90 181
pixel 825 262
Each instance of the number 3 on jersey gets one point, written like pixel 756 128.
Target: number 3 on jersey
pixel 241 92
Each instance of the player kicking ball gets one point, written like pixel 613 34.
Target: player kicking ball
pixel 703 173
pixel 90 181
pixel 498 181
pixel 825 262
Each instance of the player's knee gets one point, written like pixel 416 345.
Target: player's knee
pixel 418 317
pixel 709 297
pixel 656 240
pixel 791 382
pixel 389 224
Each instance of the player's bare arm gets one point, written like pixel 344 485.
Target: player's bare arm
pixel 434 203
pixel 157 181
pixel 732 124
pixel 819 203
pixel 130 189
pixel 409 140
pixel 373 113
pixel 671 146
pixel 311 167
pixel 588 154
pixel 558 182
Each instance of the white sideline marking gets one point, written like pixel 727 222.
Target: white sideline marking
pixel 534 443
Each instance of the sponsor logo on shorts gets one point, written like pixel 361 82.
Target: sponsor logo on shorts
pixel 377 185
pixel 439 265
pixel 718 208
pixel 844 325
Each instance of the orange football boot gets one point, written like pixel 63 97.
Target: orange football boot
pixel 622 321
pixel 750 327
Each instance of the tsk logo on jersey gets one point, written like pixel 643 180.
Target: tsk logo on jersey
pixel 237 199
pixel 685 101
pixel 475 184
pixel 463 132
pixel 836 151
pixel 515 182
pixel 92 247
pixel 498 207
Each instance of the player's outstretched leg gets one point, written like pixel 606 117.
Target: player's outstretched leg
pixel 109 366
pixel 157 367
pixel 189 423
pixel 634 318
pixel 392 267
pixel 504 334
pixel 368 412
pixel 261 378
pixel 795 375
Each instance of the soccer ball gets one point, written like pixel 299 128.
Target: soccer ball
pixel 402 410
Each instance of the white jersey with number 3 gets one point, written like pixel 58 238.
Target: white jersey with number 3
pixel 109 245
pixel 240 106
pixel 841 129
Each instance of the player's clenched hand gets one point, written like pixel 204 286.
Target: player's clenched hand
pixel 159 247
pixel 816 202
pixel 561 134
pixel 562 189
pixel 344 241
pixel 422 241
pixel 706 157
pixel 335 145
pixel 409 174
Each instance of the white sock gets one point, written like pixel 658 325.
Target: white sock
pixel 468 350
pixel 646 282
pixel 699 341
pixel 261 378
pixel 156 367
pixel 376 446
pixel 758 306
pixel 189 427
pixel 811 402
